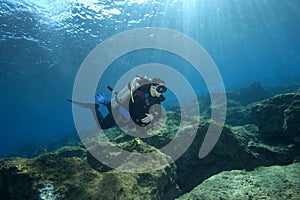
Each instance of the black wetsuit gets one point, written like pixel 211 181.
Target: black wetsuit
pixel 144 104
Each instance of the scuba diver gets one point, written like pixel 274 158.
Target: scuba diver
pixel 139 102
pixel 144 104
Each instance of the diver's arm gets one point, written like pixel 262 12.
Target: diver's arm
pixel 147 119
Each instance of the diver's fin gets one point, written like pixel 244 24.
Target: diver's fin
pixel 83 105
pixel 101 98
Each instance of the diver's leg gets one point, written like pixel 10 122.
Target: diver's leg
pixel 108 106
pixel 103 122
pixel 108 121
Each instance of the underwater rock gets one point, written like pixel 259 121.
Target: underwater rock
pixel 65 174
pixel 70 151
pixel 237 148
pixel 253 93
pixel 275 182
pixel 132 156
pixel 291 123
pixel 278 118
pixel 290 88
pixel 237 114
pixel 160 184
pixel 14 184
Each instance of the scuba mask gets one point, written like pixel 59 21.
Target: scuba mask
pixel 161 88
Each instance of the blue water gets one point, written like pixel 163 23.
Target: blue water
pixel 43 44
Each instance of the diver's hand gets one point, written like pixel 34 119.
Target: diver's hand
pixel 147 119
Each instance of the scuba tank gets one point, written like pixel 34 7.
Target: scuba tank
pixel 120 100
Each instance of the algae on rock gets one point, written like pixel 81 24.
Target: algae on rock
pixel 275 182
pixel 65 174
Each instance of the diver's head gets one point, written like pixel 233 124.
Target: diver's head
pixel 157 89
pixel 158 81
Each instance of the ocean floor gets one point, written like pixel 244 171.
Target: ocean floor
pixel 256 157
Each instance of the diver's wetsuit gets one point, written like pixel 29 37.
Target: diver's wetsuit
pixel 143 103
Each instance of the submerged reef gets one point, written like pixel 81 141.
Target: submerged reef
pixel 278 118
pixel 237 148
pixel 66 174
pixel 256 157
pixel 275 182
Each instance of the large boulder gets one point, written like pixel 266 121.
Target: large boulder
pixel 278 119
pixel 237 148
pixel 275 182
pixel 247 146
pixel 65 174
